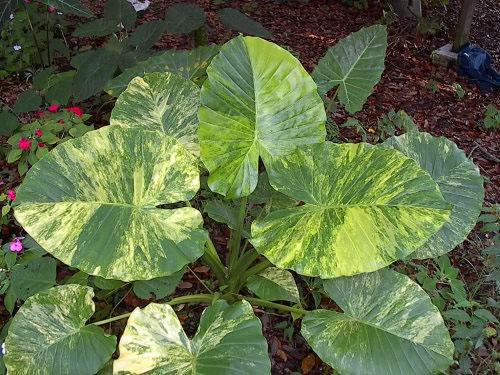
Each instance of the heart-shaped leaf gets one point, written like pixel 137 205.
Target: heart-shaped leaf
pixel 190 64
pixel 48 334
pixel 161 101
pixel 364 207
pixel 229 341
pixel 258 101
pixel 238 21
pixel 459 181
pixel 355 64
pixel 33 276
pixel 147 34
pixel 389 326
pixel 92 202
pixel 184 18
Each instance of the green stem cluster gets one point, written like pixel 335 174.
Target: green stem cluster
pixel 231 279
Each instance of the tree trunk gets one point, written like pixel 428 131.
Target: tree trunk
pixel 464 24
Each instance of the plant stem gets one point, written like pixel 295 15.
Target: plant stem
pixel 272 305
pixel 33 34
pixel 236 276
pixel 200 37
pixel 48 39
pixel 200 280
pixel 118 317
pixel 257 269
pixel 212 259
pixel 175 301
pixel 331 102
pixel 235 241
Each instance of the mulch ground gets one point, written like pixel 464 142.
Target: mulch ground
pixel 308 29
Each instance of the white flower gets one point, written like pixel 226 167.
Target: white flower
pixel 3 349
pixel 17 47
pixel 139 4
pixel 60 13
pixel 11 16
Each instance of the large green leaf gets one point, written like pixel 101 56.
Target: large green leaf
pixel 389 326
pixel 364 207
pixel 184 18
pixel 27 101
pixel 60 87
pixel 229 341
pixel 147 34
pixel 224 212
pixel 355 64
pixel 48 335
pixel 190 64
pixel 96 28
pixel 459 181
pixel 238 21
pixel 121 12
pixel 33 276
pixel 274 284
pixel 93 73
pixel 161 101
pixel 8 123
pixel 93 203
pixel 258 101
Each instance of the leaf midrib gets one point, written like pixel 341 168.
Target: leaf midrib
pixel 125 205
pixel 375 205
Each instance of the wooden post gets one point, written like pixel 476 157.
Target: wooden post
pixel 464 23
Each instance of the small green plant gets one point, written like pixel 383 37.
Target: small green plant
pixel 459 90
pixel 429 26
pixel 472 323
pixel 34 140
pixel 31 38
pixel 387 126
pixel 389 16
pixel 491 118
pixel 432 86
pixel 490 220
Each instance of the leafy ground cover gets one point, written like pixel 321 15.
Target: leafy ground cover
pixel 461 285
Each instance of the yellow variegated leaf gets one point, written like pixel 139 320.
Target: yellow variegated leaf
pixel 257 102
pixel 93 202
pixel 164 102
pixel 364 208
pixel 229 341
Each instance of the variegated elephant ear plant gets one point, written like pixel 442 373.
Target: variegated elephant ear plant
pixel 339 212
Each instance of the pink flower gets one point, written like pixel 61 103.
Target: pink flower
pixel 39 114
pixel 61 121
pixel 41 144
pixel 53 108
pixel 24 144
pixel 11 194
pixel 38 132
pixel 76 110
pixel 52 9
pixel 16 245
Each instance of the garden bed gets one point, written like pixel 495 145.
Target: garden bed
pixel 410 82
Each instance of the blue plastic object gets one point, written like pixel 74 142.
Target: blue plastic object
pixel 475 63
